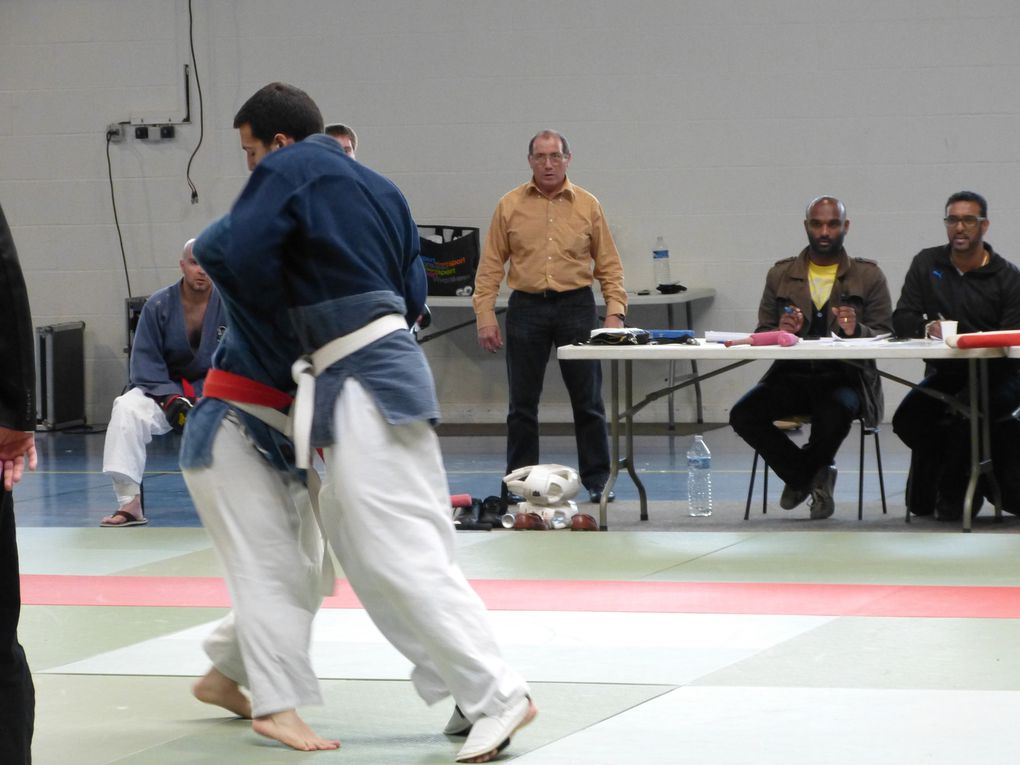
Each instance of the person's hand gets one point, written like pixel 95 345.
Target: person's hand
pixel 424 319
pixel 177 409
pixel 490 339
pixel 613 321
pixel 16 447
pixel 846 318
pixel 791 320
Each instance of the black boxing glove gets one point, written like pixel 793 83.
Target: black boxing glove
pixel 177 408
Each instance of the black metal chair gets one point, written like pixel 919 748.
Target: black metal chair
pixel 865 431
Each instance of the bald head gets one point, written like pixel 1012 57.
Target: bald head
pixel 826 225
pixel 195 279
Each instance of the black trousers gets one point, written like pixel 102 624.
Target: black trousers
pixel 829 397
pixel 17 693
pixel 535 325
pixel 939 439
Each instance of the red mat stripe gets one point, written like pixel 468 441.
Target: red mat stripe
pixel 563 595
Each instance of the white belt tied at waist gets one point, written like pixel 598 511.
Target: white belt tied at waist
pixel 274 418
pixel 307 368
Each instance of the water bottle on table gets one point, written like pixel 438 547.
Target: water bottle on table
pixel 699 478
pixel 660 262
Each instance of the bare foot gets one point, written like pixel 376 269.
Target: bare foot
pixel 120 518
pixel 288 728
pixel 218 689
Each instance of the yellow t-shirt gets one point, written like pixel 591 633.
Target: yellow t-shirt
pixel 821 279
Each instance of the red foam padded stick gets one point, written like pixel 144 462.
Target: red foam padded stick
pixel 999 339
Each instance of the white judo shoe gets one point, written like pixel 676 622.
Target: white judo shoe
pixel 491 735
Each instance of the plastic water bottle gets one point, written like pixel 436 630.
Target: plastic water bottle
pixel 559 518
pixel 660 262
pixel 699 478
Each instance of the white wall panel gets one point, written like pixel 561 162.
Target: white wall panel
pixel 709 123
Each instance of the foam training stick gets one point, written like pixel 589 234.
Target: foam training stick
pixel 775 337
pixel 998 339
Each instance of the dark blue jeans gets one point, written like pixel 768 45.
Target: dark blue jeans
pixel 832 406
pixel 17 693
pixel 535 325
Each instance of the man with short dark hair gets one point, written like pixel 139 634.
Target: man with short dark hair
pixel 238 463
pixel 345 136
pixel 331 246
pixel 551 240
pixel 968 282
pixel 17 450
pixel 820 292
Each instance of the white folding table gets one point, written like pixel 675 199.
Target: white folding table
pixel 623 411
pixel 686 298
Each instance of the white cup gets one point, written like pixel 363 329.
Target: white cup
pixel 947 327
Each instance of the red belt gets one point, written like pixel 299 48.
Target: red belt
pixel 231 387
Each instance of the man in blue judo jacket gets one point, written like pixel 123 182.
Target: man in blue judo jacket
pixel 173 345
pixel 333 244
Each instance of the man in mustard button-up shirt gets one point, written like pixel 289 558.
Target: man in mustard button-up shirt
pixel 555 237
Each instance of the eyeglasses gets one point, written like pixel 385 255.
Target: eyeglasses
pixel 968 221
pixel 556 158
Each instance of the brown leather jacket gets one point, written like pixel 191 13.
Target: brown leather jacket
pixel 17 358
pixel 858 281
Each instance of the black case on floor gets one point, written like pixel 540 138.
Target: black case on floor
pixel 60 375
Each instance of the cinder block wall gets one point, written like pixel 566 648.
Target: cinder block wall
pixel 711 124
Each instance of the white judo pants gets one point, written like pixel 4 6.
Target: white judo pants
pixel 385 504
pixel 264 529
pixel 135 419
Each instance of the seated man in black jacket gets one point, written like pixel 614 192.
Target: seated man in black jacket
pixel 968 282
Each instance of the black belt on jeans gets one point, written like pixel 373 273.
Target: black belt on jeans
pixel 550 294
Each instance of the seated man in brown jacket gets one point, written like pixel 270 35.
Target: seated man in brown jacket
pixel 819 292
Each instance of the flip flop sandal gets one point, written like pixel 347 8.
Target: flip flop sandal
pixel 129 520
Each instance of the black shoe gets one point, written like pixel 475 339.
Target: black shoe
pixel 950 508
pixel 793 496
pixel 472 519
pixel 595 496
pixel 513 499
pixel 822 503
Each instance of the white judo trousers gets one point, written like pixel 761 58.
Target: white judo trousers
pixel 135 419
pixel 264 529
pixel 385 505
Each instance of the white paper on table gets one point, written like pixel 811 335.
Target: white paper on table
pixel 714 336
pixel 860 340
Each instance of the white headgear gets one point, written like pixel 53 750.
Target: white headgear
pixel 544 484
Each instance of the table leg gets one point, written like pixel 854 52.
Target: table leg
pixel 980 442
pixel 614 442
pixel 628 387
pixel 976 417
pixel 694 370
pixel 615 461
pixel 671 412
